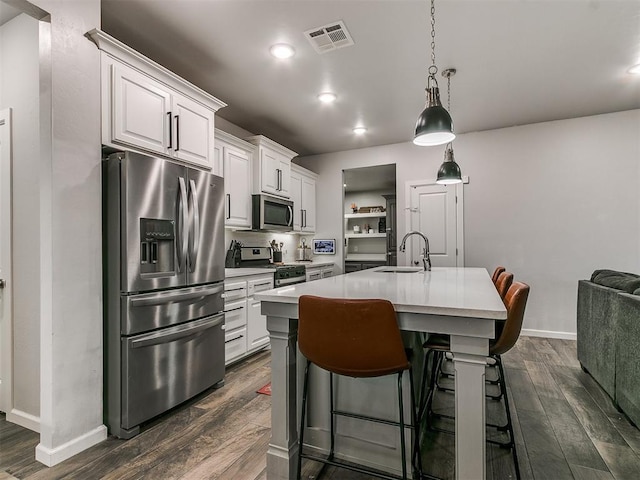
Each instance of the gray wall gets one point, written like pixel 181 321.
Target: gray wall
pixel 19 89
pixel 551 202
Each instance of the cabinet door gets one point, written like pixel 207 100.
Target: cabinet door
pixel 218 160
pixel 308 204
pixel 237 187
pixel 257 333
pixel 327 272
pixel 296 196
pixel 193 132
pixel 275 172
pixel 140 109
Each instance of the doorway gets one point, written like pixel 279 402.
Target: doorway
pixel 437 211
pixel 369 217
pixel 6 320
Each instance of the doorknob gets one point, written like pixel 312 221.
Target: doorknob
pixel 1 283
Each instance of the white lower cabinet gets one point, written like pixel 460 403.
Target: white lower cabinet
pixel 245 327
pixel 318 272
pixel 257 333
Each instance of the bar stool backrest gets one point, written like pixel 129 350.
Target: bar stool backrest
pixel 515 301
pixel 496 274
pixel 357 338
pixel 505 279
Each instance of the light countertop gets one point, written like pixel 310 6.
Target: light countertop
pixel 462 292
pixel 243 272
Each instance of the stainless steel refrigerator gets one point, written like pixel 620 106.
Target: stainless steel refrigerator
pixel 164 278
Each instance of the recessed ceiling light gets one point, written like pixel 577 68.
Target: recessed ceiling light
pixel 359 130
pixel 282 50
pixel 635 70
pixel 327 97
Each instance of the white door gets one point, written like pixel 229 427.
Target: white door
pixel 436 211
pixel 237 186
pixel 5 261
pixel 193 132
pixel 141 109
pixel 309 204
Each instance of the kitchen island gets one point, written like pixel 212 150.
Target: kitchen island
pixel 461 302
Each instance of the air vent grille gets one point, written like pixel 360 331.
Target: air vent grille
pixel 329 37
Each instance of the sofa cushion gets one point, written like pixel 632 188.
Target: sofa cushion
pixel 626 282
pixel 636 291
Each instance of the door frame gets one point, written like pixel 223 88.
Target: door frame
pixel 459 187
pixel 6 325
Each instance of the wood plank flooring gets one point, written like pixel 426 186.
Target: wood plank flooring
pixel 565 427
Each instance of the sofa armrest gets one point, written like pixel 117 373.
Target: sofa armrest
pixel 628 356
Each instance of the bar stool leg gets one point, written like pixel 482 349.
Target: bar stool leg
pixel 302 418
pixel 332 426
pixel 403 451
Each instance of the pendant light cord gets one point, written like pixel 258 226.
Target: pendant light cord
pixel 448 93
pixel 433 69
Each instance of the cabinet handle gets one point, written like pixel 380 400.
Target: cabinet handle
pixel 177 117
pixel 234 338
pixel 278 179
pixel 170 130
pixel 228 205
pixel 304 216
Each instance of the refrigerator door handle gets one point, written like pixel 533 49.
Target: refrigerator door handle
pixel 183 215
pixel 173 297
pixel 194 227
pixel 176 333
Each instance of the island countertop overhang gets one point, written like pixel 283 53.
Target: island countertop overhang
pixel 446 291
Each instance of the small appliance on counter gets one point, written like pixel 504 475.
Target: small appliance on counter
pixel 303 252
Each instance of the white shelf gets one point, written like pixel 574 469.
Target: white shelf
pixel 365 215
pixel 365 235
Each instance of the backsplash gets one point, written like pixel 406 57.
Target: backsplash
pixel 263 239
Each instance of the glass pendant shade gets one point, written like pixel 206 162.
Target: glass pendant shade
pixel 449 172
pixel 434 125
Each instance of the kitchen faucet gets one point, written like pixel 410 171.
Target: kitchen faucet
pixel 426 261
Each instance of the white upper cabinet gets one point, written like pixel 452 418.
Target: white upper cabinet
pixel 236 158
pixel 272 169
pixel 303 194
pixel 147 108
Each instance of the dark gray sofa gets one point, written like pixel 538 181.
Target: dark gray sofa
pixel 608 325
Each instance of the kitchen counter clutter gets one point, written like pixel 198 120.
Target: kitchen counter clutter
pixel 460 302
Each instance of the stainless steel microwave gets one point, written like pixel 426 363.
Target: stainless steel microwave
pixel 271 213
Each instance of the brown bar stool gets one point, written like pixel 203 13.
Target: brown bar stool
pixel 496 273
pixel 505 279
pixel 356 338
pixel 515 300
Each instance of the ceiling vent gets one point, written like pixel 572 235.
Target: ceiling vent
pixel 329 37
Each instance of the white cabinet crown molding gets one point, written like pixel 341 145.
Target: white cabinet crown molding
pixel 267 142
pixel 119 50
pixel 233 140
pixel 303 171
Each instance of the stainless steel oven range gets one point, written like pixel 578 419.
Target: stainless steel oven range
pixel 260 257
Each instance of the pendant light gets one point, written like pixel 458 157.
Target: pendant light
pixel 449 171
pixel 434 125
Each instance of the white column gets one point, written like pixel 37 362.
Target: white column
pixel 282 454
pixel 469 359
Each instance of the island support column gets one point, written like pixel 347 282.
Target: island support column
pixel 282 455
pixel 469 360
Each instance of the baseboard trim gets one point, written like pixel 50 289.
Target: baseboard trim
pixel 24 419
pixel 528 332
pixel 53 456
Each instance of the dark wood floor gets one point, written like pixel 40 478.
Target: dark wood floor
pixel 566 427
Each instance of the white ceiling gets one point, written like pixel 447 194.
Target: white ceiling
pixel 518 61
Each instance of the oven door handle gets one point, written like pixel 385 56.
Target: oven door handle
pixel 176 333
pixel 173 297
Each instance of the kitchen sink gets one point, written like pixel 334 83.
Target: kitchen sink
pixel 400 270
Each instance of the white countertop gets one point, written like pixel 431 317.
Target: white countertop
pixel 464 292
pixel 243 272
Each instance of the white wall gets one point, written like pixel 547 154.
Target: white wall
pixel 19 90
pixel 551 202
pixel 68 242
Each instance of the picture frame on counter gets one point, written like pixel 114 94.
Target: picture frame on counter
pixel 324 246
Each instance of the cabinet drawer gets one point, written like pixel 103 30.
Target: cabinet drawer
pixel 235 314
pixel 259 284
pixel 235 344
pixel 235 290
